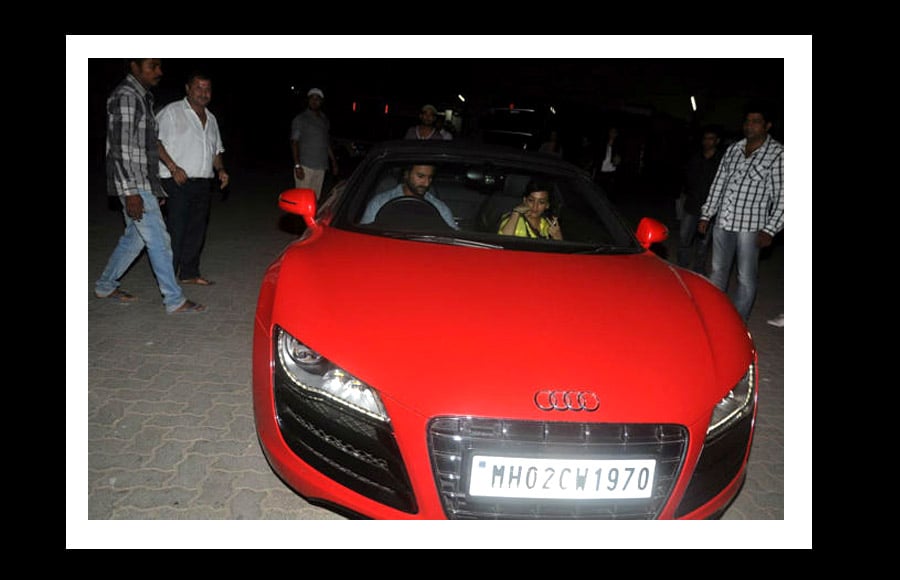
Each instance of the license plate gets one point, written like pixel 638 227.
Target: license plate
pixel 523 477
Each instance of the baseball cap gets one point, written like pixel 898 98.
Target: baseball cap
pixel 315 91
pixel 430 108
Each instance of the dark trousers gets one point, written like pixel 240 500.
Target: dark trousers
pixel 608 182
pixel 187 214
pixel 693 246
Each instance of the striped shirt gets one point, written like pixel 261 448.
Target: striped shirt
pixel 747 194
pixel 132 151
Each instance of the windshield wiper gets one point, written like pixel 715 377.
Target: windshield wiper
pixel 450 240
pixel 607 249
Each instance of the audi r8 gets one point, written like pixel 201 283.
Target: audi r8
pixel 410 367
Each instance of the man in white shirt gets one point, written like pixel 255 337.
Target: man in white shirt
pixel 190 157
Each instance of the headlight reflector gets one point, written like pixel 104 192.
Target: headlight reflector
pixel 312 372
pixel 736 405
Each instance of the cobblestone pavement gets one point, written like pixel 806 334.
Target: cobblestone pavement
pixel 168 414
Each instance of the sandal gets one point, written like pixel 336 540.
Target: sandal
pixel 189 307
pixel 119 295
pixel 198 281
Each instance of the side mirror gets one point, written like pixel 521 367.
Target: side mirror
pixel 300 202
pixel 651 231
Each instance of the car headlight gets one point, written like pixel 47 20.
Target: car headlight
pixel 735 406
pixel 311 371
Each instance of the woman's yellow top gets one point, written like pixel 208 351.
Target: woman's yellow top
pixel 524 229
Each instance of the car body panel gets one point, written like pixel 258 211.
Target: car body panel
pixel 639 305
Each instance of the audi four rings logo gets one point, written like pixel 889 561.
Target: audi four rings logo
pixel 550 400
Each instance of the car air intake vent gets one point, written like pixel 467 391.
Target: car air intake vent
pixel 454 441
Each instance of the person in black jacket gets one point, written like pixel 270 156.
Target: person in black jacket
pixel 699 173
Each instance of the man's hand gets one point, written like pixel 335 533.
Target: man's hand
pixel 702 226
pixel 180 176
pixel 763 240
pixel 298 172
pixel 134 207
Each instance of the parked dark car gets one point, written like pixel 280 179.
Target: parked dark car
pixel 521 128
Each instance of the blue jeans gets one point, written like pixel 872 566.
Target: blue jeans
pixel 149 233
pixel 739 247
pixel 692 246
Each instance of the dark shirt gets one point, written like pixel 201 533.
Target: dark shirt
pixel 311 130
pixel 698 177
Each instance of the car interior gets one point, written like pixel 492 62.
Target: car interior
pixel 479 196
pixel 478 200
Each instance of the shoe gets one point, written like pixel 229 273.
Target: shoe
pixel 189 307
pixel 777 321
pixel 198 281
pixel 119 296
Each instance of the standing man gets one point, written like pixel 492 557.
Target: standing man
pixel 190 157
pixel 747 199
pixel 426 129
pixel 698 177
pixel 311 144
pixel 132 172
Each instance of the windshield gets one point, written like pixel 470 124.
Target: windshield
pixel 494 205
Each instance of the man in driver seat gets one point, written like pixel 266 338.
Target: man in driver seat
pixel 416 181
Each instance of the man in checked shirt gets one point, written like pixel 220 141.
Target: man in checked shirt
pixel 747 199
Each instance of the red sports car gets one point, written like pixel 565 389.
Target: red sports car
pixel 473 332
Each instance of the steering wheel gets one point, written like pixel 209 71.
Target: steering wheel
pixel 410 213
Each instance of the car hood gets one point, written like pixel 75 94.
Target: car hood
pixel 456 330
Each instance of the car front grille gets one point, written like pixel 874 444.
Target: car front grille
pixel 454 440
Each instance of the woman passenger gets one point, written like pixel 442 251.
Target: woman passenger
pixel 530 219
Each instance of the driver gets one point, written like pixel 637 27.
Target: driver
pixel 416 181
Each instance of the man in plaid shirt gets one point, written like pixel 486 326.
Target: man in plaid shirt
pixel 747 199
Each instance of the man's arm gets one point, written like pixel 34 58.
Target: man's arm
pixel 714 198
pixel 295 147
pixel 178 174
pixel 775 223
pixel 443 209
pixel 374 205
pixel 122 152
pixel 295 152
pixel 219 168
pixel 334 163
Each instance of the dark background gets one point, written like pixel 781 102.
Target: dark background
pixel 254 99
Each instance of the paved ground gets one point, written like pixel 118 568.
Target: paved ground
pixel 168 414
